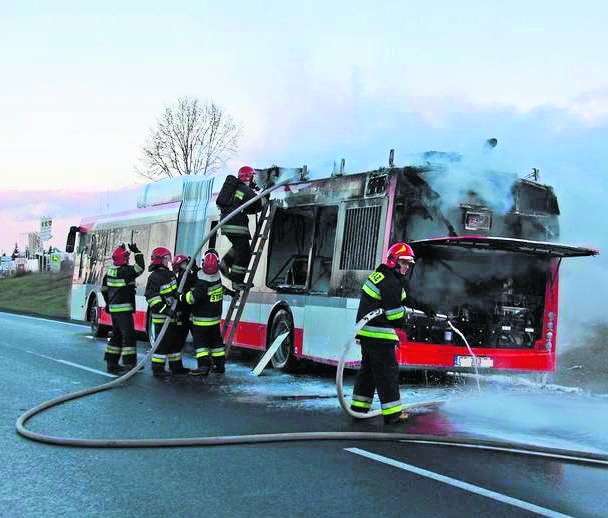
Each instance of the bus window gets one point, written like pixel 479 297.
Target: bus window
pixel 162 234
pixel 323 251
pixel 291 240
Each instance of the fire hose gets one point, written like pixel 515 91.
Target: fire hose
pixel 462 442
pixel 348 346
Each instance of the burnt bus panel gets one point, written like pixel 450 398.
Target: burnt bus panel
pixel 361 228
pixel 522 246
pixel 359 244
pixel 421 213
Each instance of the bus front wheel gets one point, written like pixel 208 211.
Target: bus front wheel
pixel 284 358
pixel 97 330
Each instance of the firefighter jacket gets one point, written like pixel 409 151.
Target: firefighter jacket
pixel 206 298
pixel 118 285
pixel 161 292
pixel 182 307
pixel 382 289
pixel 239 224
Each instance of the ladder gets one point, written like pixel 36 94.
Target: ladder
pixel 237 304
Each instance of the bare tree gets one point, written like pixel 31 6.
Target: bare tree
pixel 189 138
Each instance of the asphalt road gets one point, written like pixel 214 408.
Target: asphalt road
pixel 43 359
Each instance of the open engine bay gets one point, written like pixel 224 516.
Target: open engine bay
pixel 496 298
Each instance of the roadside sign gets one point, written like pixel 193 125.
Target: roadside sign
pixel 45 228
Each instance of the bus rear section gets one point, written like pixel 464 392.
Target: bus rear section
pixel 501 293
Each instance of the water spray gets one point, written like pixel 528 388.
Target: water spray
pixel 348 345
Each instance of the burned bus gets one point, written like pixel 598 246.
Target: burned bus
pixel 493 267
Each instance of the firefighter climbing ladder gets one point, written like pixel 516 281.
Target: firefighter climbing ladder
pixel 237 304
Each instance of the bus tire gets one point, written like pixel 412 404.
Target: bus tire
pixel 97 330
pixel 284 359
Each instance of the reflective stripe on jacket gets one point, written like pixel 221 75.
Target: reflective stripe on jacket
pixel 206 299
pixel 382 289
pixel 118 285
pixel 161 291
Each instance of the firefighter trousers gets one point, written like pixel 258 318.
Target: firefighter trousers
pixel 122 341
pixel 379 371
pixel 165 348
pixel 182 327
pixel 236 260
pixel 209 346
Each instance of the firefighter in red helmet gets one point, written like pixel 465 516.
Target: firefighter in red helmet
pixel 234 193
pixel 182 312
pixel 206 298
pixel 118 291
pixel 161 294
pixel 384 288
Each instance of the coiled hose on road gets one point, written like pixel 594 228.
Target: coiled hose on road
pixel 505 446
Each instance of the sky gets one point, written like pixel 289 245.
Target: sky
pixel 82 84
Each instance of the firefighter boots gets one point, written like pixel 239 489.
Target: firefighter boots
pixel 179 370
pixel 204 366
pixel 131 366
pixel 160 372
pixel 114 368
pixel 396 418
pixel 219 365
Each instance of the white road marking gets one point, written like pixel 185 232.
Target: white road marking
pixel 459 484
pixel 77 365
pixel 43 319
pixel 511 450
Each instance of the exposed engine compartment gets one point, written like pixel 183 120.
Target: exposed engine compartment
pixel 495 298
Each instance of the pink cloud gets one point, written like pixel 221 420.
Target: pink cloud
pixel 20 211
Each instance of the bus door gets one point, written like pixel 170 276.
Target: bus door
pixel 357 250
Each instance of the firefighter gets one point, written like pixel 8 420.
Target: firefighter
pixel 118 291
pixel 379 369
pixel 205 299
pixel 182 313
pixel 234 193
pixel 161 293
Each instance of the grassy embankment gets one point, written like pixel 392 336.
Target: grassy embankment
pixel 37 293
pixel 586 364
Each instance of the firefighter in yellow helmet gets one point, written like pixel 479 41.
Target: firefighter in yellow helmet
pixel 379 369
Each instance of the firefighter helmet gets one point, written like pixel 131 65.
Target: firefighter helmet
pixel 158 254
pixel 179 260
pixel 211 262
pixel 246 173
pixel 399 251
pixel 120 255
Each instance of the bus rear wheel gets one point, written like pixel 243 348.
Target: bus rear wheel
pixel 97 330
pixel 284 359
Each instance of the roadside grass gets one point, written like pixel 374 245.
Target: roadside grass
pixel 586 364
pixel 43 293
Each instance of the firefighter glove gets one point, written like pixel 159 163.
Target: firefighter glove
pixel 134 249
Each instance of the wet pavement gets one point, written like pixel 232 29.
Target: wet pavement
pixel 44 359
